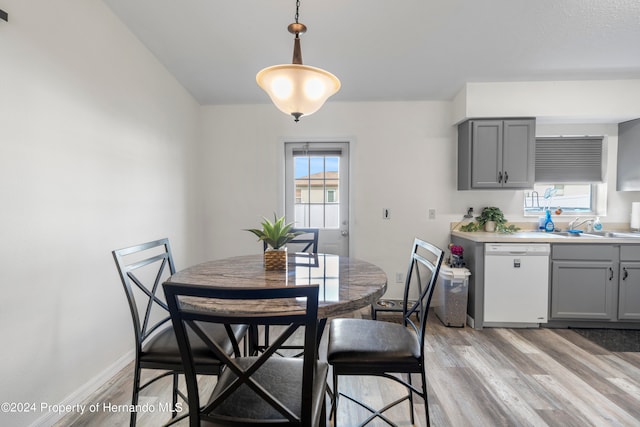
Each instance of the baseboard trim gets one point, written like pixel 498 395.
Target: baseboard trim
pixel 86 390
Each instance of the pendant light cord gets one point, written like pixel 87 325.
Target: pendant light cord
pixel 297 29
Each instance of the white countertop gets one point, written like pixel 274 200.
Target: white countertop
pixel 538 237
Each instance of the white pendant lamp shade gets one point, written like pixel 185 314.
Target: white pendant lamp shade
pixel 296 89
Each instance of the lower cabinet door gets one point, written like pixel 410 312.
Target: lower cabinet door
pixel 583 290
pixel 629 291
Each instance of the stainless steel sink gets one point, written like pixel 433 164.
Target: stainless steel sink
pixel 577 235
pixel 566 234
pixel 613 234
pixel 600 234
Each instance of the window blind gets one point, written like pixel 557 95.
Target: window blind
pixel 569 159
pixel 315 153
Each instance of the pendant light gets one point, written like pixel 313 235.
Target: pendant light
pixel 297 89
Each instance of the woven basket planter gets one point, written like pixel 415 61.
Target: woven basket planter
pixel 275 259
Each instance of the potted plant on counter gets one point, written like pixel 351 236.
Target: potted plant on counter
pixel 276 235
pixel 491 219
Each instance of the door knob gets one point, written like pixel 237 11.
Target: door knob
pixel 344 233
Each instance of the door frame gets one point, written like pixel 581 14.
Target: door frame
pixel 334 142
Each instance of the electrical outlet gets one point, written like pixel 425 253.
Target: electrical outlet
pixel 399 278
pixel 432 213
pixel 386 213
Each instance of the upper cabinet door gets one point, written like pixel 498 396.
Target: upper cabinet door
pixel 518 154
pixel 628 155
pixel 487 141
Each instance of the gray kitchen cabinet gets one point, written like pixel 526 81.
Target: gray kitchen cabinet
pixel 629 287
pixel 496 154
pixel 584 281
pixel 628 155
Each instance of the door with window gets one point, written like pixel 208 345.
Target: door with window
pixel 317 191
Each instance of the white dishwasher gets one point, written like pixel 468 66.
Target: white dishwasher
pixel 516 284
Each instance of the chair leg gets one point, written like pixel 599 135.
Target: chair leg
pixel 323 415
pixel 411 398
pixel 253 340
pixel 134 396
pixel 266 336
pixel 425 398
pixel 334 406
pixel 174 398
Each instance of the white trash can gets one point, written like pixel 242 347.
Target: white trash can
pixel 453 290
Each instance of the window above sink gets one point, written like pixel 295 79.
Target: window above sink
pixel 572 199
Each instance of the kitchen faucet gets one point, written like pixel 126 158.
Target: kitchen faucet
pixel 577 223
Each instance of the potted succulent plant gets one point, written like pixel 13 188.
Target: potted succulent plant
pixel 276 235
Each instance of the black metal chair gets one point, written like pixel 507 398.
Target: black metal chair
pixel 255 390
pixel 371 347
pixel 142 269
pixel 306 241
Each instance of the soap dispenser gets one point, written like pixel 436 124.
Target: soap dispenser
pixel 597 225
pixel 549 226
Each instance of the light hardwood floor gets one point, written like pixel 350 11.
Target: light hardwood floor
pixel 493 377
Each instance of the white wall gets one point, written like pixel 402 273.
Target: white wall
pixel 581 101
pixel 97 149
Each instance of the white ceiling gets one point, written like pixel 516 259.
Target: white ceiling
pixel 387 50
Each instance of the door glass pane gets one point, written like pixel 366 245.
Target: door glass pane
pixel 317 187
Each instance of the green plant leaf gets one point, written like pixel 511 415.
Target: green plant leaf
pixel 491 213
pixel 507 229
pixel 472 226
pixel 276 234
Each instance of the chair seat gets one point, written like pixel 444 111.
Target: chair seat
pixel 162 348
pixel 354 342
pixel 282 377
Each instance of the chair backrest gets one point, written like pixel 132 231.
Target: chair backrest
pixel 292 307
pixel 420 283
pixel 142 270
pixel 306 241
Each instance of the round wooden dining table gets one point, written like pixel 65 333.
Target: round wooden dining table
pixel 345 284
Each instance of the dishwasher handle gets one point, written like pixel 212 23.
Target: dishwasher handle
pixel 511 249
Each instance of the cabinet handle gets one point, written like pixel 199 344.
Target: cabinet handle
pixel 626 273
pixel 499 177
pixel 506 177
pixel 610 273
